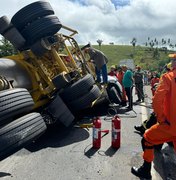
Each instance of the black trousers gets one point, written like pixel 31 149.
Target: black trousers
pixel 129 94
pixel 140 91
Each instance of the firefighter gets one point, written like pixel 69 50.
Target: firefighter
pixel 164 105
pixel 154 82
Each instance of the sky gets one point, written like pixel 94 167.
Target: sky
pixel 112 21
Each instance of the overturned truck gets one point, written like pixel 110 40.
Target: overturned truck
pixel 48 81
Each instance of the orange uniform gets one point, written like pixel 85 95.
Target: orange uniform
pixel 164 106
pixel 153 82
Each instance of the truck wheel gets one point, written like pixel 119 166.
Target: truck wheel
pixel 4 24
pixel 14 102
pixel 38 48
pixel 63 114
pixel 19 133
pixel 117 87
pixel 86 100
pixel 15 37
pixel 30 13
pixel 66 118
pixel 78 88
pixel 118 90
pixel 114 95
pixel 61 80
pixel 45 26
pixel 4 83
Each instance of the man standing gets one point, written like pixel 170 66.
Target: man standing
pixel 164 105
pixel 128 85
pixel 100 60
pixel 138 80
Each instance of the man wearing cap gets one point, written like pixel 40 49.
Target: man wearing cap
pixel 112 71
pixel 164 105
pixel 99 60
pixel 128 85
pixel 138 80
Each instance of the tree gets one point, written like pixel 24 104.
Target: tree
pixel 99 41
pixel 133 42
pixel 156 53
pixel 6 48
pixel 152 44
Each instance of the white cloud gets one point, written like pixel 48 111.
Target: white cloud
pixel 100 19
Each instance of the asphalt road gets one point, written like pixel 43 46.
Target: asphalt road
pixel 67 153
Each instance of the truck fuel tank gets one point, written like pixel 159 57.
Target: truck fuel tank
pixel 13 70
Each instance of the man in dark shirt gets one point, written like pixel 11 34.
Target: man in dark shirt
pixel 100 60
pixel 138 80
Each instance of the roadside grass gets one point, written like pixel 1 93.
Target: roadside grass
pixel 147 58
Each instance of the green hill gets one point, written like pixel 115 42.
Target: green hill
pixel 147 58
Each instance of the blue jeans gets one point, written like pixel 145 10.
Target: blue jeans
pixel 104 73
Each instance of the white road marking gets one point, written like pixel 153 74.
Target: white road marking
pixel 144 113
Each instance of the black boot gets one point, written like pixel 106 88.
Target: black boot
pixel 141 129
pixel 170 144
pixel 158 147
pixel 123 103
pixel 143 171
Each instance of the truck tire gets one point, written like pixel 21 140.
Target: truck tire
pixel 61 80
pixel 15 38
pixel 38 49
pixel 14 102
pixel 118 90
pixel 66 118
pixel 78 88
pixel 86 100
pixel 4 83
pixel 4 24
pixel 114 96
pixel 30 13
pixel 63 114
pixel 116 85
pixel 45 26
pixel 19 133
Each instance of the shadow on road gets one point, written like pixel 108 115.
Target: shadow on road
pixel 90 152
pixel 59 136
pixel 110 151
pixel 165 163
pixel 3 174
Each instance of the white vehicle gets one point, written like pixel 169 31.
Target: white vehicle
pixel 114 90
pixel 128 62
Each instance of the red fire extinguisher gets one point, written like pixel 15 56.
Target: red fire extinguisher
pixel 116 132
pixel 97 132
